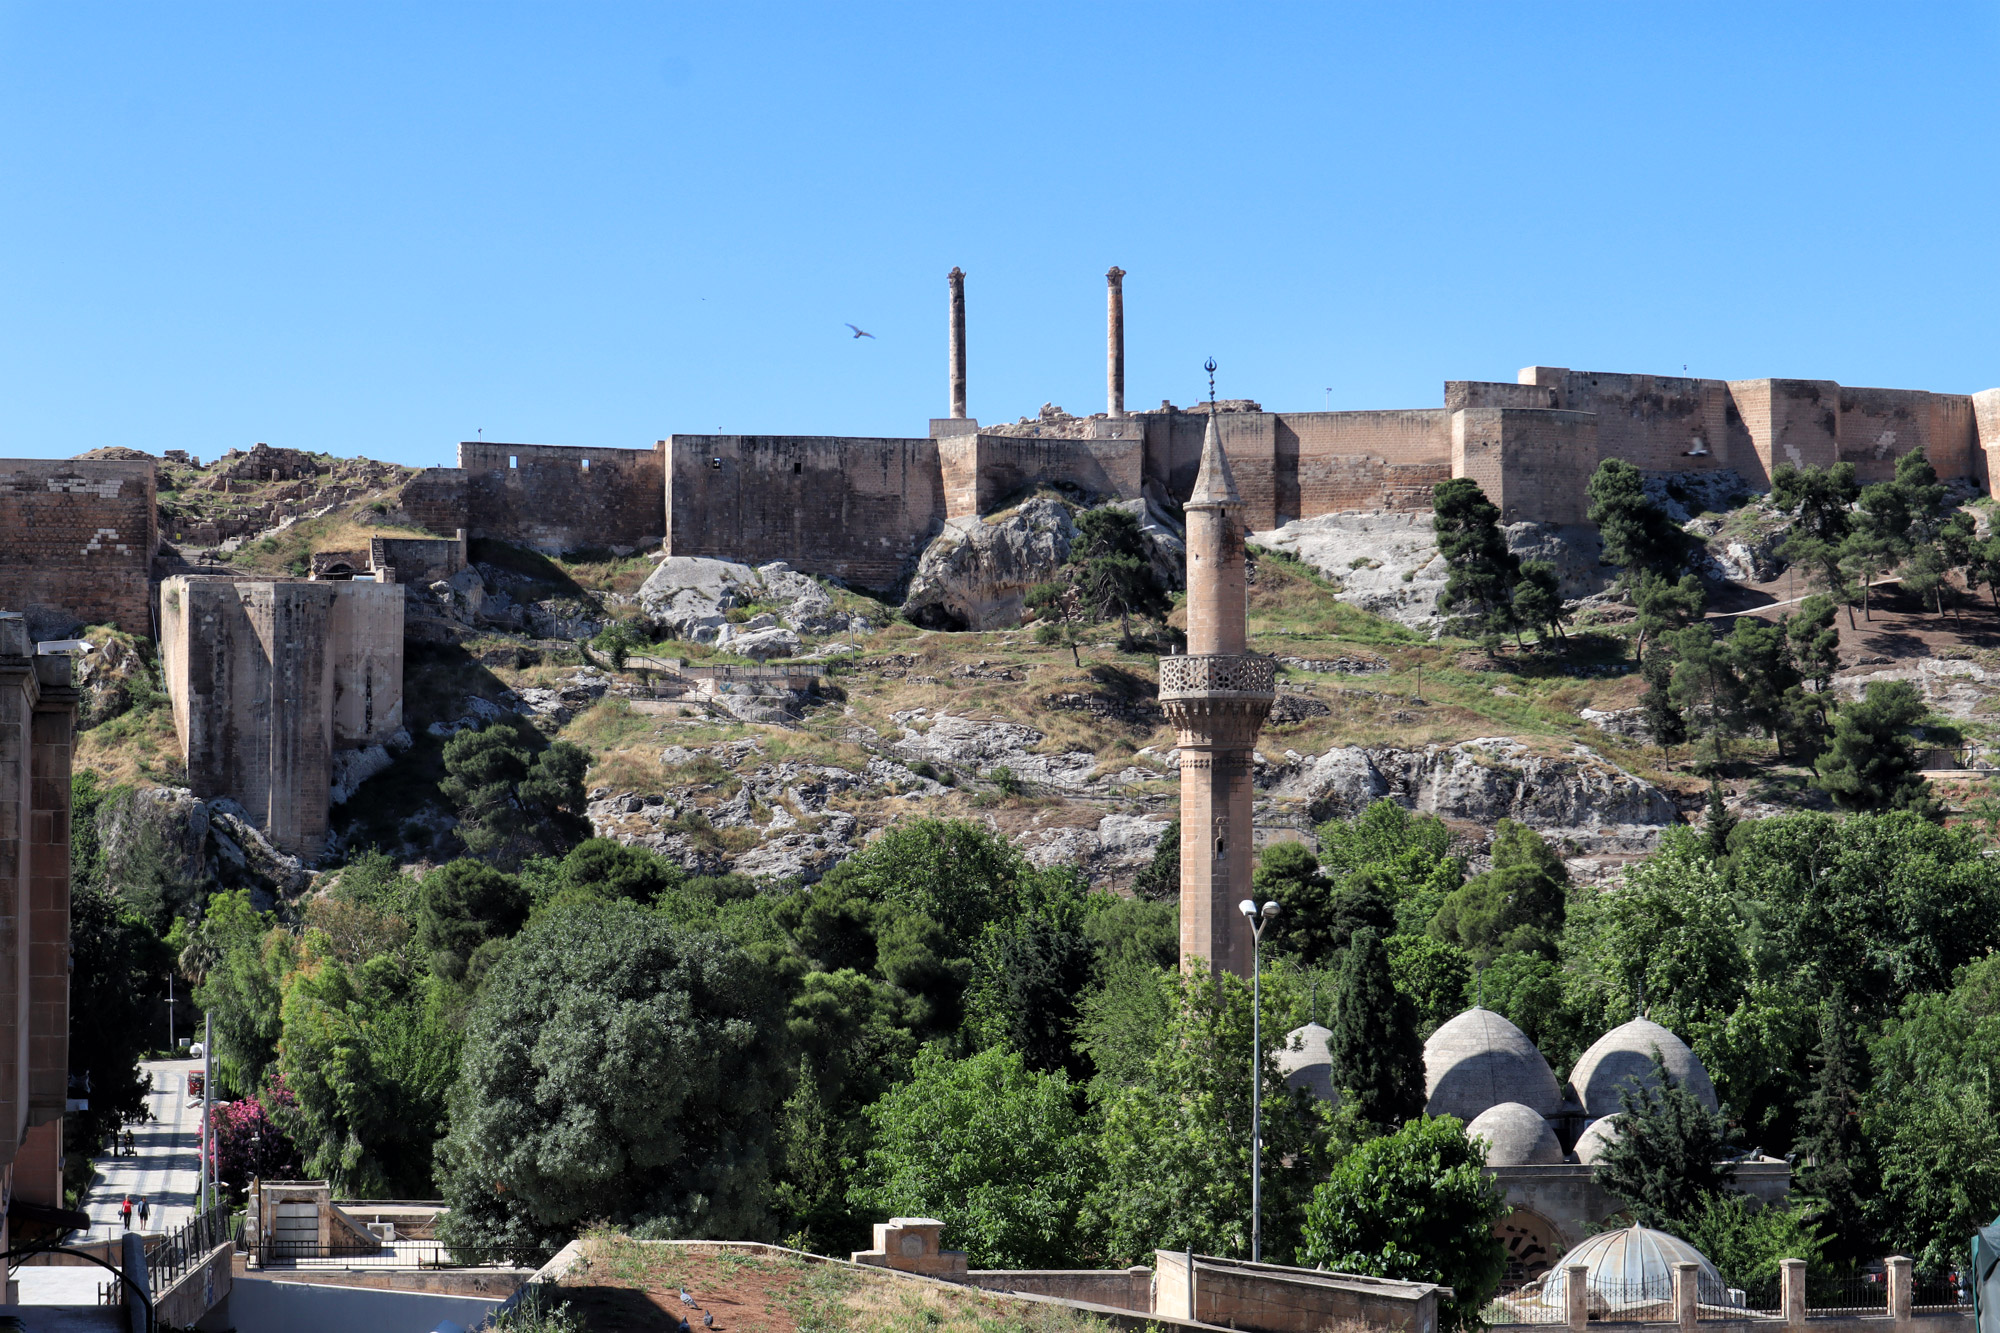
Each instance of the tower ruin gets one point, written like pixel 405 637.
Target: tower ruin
pixel 956 338
pixel 1217 695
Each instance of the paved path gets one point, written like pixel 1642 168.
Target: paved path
pixel 167 1170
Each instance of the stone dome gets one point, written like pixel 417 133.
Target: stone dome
pixel 1479 1060
pixel 1596 1135
pixel 1305 1063
pixel 1624 1057
pixel 1630 1271
pixel 1516 1135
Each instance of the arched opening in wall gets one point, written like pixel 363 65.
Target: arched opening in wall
pixel 1533 1246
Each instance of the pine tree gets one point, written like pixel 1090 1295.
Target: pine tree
pixel 1836 1165
pixel 1667 1157
pixel 1663 720
pixel 1719 824
pixel 1378 1063
pixel 1871 764
pixel 1821 500
pixel 1637 533
pixel 1478 593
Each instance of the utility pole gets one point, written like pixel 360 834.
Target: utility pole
pixel 170 1013
pixel 207 1195
pixel 1259 919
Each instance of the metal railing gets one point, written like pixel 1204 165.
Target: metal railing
pixel 356 1254
pixel 170 1258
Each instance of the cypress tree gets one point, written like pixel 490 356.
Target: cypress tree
pixel 1719 823
pixel 1835 1164
pixel 1378 1063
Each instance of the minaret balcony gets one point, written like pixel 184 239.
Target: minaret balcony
pixel 1246 676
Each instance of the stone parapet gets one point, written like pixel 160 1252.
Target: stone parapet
pixel 1209 675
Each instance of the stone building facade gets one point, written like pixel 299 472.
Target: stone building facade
pixel 77 539
pixel 271 680
pixel 37 715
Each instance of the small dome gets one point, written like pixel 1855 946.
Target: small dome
pixel 1624 1057
pixel 1305 1063
pixel 1631 1273
pixel 1479 1060
pixel 1596 1136
pixel 1516 1135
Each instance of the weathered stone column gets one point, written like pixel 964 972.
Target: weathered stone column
pixel 957 280
pixel 1576 1299
pixel 1685 1293
pixel 1792 1290
pixel 1900 1276
pixel 1114 335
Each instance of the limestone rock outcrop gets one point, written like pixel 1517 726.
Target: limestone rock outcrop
pixel 976 573
pixel 1581 796
pixel 689 597
pixel 169 837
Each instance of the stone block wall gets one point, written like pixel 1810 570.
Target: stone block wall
pixel 37 711
pixel 439 498
pixel 418 560
pixel 559 498
pixel 77 539
pixel 860 510
pixel 1531 462
pixel 268 679
pixel 980 471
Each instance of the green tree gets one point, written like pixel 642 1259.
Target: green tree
pixel 994 1150
pixel 1707 691
pixel 1319 916
pixel 1821 500
pixel 1538 603
pixel 1872 764
pixel 1748 1242
pixel 1431 975
pixel 1637 533
pixel 1029 972
pixel 1667 1158
pixel 602 868
pixel 1664 606
pixel 1760 653
pixel 1815 641
pixel 117 968
pixel 1478 590
pixel 1176 1144
pixel 242 990
pixel 1664 720
pixel 1113 573
pixel 1718 824
pixel 1160 878
pixel 616 1067
pixel 1059 614
pixel 465 914
pixel 1517 906
pixel 1378 1062
pixel 1836 1162
pixel 1416 1205
pixel 516 794
pixel 1404 858
pixel 958 873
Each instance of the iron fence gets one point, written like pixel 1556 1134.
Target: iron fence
pixel 1940 1291
pixel 356 1254
pixel 170 1258
pixel 1867 1293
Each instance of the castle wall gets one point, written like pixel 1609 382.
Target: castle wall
pixel 1986 436
pixel 1532 462
pixel 1784 421
pixel 1342 462
pixel 859 510
pixel 77 538
pixel 558 498
pixel 419 560
pixel 1878 426
pixel 268 679
pixel 439 499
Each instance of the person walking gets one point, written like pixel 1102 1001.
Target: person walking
pixel 145 1211
pixel 125 1212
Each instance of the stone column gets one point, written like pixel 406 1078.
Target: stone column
pixel 1576 1297
pixel 1900 1276
pixel 1792 1290
pixel 1114 334
pixel 957 280
pixel 1685 1278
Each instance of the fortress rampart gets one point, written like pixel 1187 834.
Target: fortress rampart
pixel 77 539
pixel 551 497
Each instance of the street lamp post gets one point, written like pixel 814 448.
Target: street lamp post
pixel 1259 919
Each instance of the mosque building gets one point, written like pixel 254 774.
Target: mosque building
pixel 1544 1137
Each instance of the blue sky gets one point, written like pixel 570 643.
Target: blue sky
pixel 379 229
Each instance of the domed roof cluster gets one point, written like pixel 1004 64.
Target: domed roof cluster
pixel 1479 1060
pixel 1628 1270
pixel 1305 1061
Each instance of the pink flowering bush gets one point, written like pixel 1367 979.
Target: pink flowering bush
pixel 248 1142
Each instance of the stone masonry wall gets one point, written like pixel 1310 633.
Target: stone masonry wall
pixel 1531 462
pixel 269 678
pixel 439 499
pixel 558 498
pixel 981 471
pixel 77 539
pixel 860 510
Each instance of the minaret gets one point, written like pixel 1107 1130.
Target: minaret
pixel 1218 696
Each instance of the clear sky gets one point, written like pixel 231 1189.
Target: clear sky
pixel 379 229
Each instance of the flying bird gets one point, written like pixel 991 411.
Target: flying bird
pixel 861 333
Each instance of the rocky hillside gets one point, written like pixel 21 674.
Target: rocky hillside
pixel 765 722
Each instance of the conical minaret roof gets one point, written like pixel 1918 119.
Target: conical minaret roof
pixel 1213 485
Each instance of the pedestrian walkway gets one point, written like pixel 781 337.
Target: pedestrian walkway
pixel 167 1171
